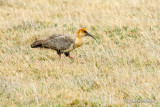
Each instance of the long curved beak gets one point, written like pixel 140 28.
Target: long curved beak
pixel 91 36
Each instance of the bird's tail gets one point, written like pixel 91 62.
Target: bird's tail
pixel 37 43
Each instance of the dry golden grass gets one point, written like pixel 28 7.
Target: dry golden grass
pixel 123 66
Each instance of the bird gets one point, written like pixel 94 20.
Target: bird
pixel 62 43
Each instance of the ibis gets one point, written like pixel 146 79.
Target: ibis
pixel 63 44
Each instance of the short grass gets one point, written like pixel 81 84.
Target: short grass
pixel 123 68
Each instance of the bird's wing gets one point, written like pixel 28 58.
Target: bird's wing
pixel 59 42
pixel 54 35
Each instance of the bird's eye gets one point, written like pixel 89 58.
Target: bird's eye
pixel 85 31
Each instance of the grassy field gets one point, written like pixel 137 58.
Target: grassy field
pixel 123 68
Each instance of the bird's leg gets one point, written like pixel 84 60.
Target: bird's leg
pixel 59 56
pixel 68 55
pixel 59 53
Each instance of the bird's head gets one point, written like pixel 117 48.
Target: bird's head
pixel 83 33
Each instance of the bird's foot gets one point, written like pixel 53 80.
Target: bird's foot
pixel 70 57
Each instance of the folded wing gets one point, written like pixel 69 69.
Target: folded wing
pixel 59 42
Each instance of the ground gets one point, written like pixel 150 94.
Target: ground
pixel 122 69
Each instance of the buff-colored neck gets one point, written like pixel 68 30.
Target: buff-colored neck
pixel 79 41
